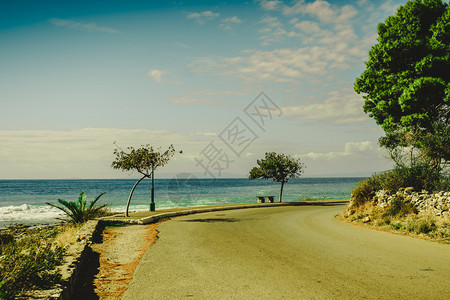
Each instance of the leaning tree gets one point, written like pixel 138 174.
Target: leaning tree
pixel 144 160
pixel 278 167
pixel 406 84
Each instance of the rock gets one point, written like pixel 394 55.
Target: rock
pixel 408 190
pixel 366 219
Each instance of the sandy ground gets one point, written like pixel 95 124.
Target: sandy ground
pixel 287 252
pixel 114 260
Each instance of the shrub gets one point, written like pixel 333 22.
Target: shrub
pixel 79 211
pixel 421 226
pixel 400 208
pixel 29 263
pixel 443 184
pixel 365 189
pixel 420 176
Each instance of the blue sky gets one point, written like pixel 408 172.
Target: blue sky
pixel 77 76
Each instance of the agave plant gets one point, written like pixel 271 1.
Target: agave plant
pixel 79 211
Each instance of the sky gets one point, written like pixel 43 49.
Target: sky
pixel 224 81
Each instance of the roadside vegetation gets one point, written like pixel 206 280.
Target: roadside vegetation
pixel 28 260
pixel 80 211
pixel 406 91
pixel 400 213
pixel 29 257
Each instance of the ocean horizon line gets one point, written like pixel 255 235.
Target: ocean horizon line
pixel 168 178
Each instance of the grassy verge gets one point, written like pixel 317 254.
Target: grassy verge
pixel 29 257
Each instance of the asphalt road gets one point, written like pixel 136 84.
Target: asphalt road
pixel 287 252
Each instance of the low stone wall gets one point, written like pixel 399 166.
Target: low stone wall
pixel 74 259
pixel 436 203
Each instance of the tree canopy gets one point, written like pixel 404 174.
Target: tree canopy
pixel 278 167
pixel 144 160
pixel 406 82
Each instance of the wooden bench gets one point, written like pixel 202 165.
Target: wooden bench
pixel 262 199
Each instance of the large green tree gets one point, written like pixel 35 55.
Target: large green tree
pixel 406 82
pixel 144 160
pixel 278 167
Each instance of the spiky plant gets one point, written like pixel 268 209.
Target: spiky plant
pixel 79 211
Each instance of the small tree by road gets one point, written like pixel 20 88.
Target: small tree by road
pixel 144 160
pixel 279 167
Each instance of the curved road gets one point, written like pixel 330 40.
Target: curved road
pixel 298 252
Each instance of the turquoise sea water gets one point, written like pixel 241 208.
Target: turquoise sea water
pixel 23 201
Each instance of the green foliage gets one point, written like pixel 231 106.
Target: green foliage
pixel 400 208
pixel 79 211
pixel 278 167
pixel 365 189
pixel 406 82
pixel 144 159
pixel 421 226
pixel 420 177
pixel 29 263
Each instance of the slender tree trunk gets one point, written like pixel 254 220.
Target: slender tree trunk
pixel 131 193
pixel 281 190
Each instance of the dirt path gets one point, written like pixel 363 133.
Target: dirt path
pixel 113 261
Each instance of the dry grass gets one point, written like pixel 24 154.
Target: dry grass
pixel 67 234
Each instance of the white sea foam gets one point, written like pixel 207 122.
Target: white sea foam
pixel 43 214
pixel 29 214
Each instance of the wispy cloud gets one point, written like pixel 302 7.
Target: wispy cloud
pixel 230 23
pixel 156 75
pixel 77 153
pixel 202 17
pixel 340 107
pixel 365 148
pixel 270 4
pixel 88 27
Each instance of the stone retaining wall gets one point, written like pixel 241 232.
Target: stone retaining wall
pixel 74 259
pixel 436 203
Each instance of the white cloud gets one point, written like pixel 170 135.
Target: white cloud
pixel 202 17
pixel 89 27
pixel 270 4
pixel 320 9
pixel 296 8
pixel 340 107
pixel 365 148
pixel 230 23
pixel 272 31
pixel 309 27
pixel 77 153
pixel 233 19
pixel 156 75
pixel 280 65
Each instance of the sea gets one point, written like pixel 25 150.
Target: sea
pixel 24 201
